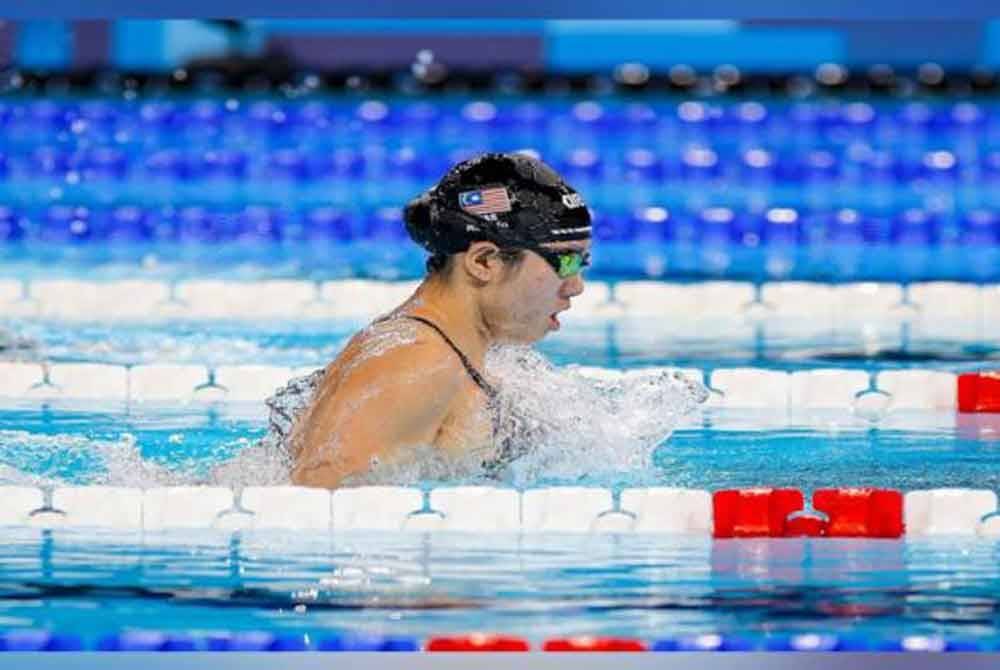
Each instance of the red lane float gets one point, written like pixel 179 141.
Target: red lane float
pixel 759 512
pixel 477 642
pixel 861 512
pixel 593 644
pixel 979 392
pixel 805 525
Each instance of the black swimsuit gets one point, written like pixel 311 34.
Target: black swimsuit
pixel 487 388
pixel 506 451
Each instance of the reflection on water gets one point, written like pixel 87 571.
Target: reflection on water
pixel 412 584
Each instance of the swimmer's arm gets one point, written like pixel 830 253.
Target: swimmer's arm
pixel 389 402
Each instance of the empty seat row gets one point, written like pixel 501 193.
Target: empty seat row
pixel 711 226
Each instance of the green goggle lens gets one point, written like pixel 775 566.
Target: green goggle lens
pixel 572 263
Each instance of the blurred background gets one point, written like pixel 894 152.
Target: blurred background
pixel 760 150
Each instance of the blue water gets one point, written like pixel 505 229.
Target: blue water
pixel 536 587
pixel 253 188
pixel 617 343
pixel 61 444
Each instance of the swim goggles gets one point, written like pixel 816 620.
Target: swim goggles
pixel 566 263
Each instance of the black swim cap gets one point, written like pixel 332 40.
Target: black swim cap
pixel 511 199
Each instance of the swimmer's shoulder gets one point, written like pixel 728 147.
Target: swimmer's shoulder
pixel 401 351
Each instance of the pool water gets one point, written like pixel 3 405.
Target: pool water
pixel 76 444
pixel 536 587
pixel 251 189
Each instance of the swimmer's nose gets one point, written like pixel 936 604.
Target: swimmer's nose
pixel 573 286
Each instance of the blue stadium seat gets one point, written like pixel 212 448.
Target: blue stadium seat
pixel 128 224
pixel 914 116
pixel 52 161
pixel 104 163
pixel 66 223
pixel 480 114
pixel 639 117
pixel 259 224
pixel 697 118
pixel 589 115
pixel 341 163
pixel 223 163
pixel 157 116
pixel 201 115
pixel 750 117
pixel 313 115
pixel 612 227
pixel 99 113
pixel 964 116
pixel 287 164
pixel 781 226
pixel 386 224
pixel 814 165
pixel 980 228
pixel 324 223
pixel 374 114
pixel 700 162
pixel 858 118
pixel 914 227
pixel 758 164
pixel 194 224
pixel 406 162
pixel 48 114
pixel 652 224
pixel 171 164
pixel 845 226
pixel 642 164
pixel 269 117
pixel 716 226
pixel 582 163
pixel 11 228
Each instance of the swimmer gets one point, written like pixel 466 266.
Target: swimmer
pixel 508 241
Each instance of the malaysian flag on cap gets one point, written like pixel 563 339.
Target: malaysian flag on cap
pixel 485 201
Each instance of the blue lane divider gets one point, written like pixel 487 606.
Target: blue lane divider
pixel 36 640
pixel 366 643
pixel 704 643
pixel 39 640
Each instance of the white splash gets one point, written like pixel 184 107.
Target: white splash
pixel 30 459
pixel 564 425
pixel 554 424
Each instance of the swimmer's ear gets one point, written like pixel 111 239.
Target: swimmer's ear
pixel 482 260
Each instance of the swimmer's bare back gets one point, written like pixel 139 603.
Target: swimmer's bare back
pixel 396 386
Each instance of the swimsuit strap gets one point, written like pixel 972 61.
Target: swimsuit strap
pixel 473 372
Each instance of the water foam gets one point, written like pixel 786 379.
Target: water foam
pixel 30 459
pixel 567 426
pixel 556 423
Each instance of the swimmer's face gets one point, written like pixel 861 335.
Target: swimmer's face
pixel 525 305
